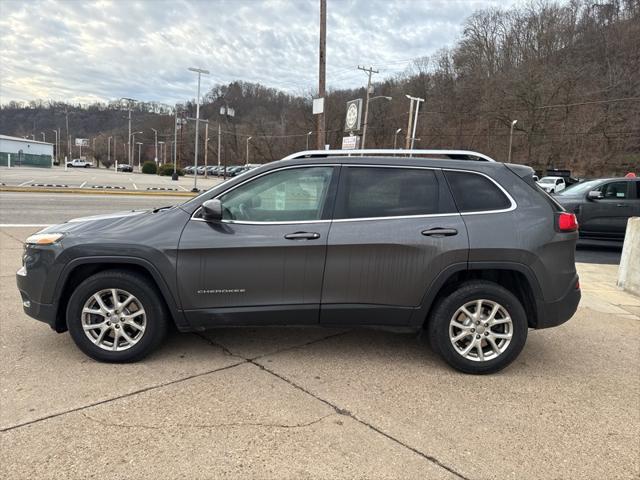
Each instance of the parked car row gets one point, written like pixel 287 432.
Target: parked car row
pixel 214 170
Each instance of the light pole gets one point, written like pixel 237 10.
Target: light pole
pixel 248 138
pixel 308 134
pixel 412 130
pixel 155 133
pixel 132 143
pixel 57 146
pixel 109 150
pixel 44 138
pixel 200 72
pixel 395 138
pixel 139 148
pixel 162 160
pixel 513 124
pixel 129 145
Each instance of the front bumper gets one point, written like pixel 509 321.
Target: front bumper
pixel 44 312
pixel 552 314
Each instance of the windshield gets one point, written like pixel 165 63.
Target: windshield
pixel 580 188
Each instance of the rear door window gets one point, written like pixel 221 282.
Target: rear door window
pixel 475 193
pixel 371 192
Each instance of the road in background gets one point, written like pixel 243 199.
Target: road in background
pixel 51 208
pixel 89 178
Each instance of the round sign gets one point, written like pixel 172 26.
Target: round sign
pixel 352 116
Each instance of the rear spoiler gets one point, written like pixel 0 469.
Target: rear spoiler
pixel 520 170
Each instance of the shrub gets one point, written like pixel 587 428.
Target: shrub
pixel 167 169
pixel 149 167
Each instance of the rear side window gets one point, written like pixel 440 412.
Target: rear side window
pixel 476 193
pixel 388 192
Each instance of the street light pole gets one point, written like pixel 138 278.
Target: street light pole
pixel 155 132
pixel 139 148
pixel 308 135
pixel 132 141
pixel 109 150
pixel 248 138
pixel 200 72
pixel 175 146
pixel 44 138
pixel 395 138
pixel 161 153
pixel 57 146
pixel 513 124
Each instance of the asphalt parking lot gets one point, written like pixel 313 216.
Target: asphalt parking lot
pixel 298 403
pixel 98 178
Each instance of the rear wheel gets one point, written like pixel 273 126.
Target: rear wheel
pixel 116 316
pixel 479 328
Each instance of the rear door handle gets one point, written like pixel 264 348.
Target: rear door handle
pixel 439 232
pixel 302 236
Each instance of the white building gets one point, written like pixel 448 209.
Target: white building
pixel 25 152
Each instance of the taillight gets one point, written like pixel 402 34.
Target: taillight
pixel 567 222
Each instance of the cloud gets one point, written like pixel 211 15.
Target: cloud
pixel 107 49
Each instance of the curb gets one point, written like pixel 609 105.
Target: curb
pixel 148 193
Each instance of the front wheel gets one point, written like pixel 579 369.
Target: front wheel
pixel 116 316
pixel 479 328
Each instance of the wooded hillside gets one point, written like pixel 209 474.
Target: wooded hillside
pixel 569 73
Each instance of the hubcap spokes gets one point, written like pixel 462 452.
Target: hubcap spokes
pixel 480 330
pixel 113 319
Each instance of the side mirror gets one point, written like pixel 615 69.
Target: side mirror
pixel 595 195
pixel 212 210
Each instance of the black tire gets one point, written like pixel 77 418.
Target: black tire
pixel 149 298
pixel 446 308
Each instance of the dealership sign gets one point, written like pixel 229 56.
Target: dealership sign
pixel 354 114
pixel 82 142
pixel 352 142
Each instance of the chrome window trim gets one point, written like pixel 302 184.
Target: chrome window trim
pixel 512 207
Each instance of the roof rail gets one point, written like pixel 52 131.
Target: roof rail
pixel 453 154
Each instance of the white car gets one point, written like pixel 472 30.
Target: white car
pixel 552 184
pixel 77 163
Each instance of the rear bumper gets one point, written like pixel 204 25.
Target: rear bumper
pixel 552 314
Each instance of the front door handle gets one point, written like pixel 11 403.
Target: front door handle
pixel 439 232
pixel 302 236
pixel 620 205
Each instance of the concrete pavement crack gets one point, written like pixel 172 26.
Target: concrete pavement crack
pixel 207 426
pixel 118 397
pixel 351 415
pixel 336 408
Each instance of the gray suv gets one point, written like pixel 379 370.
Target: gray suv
pixel 470 251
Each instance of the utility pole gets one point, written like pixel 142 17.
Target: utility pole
pixel 370 71
pixel 44 138
pixel 66 113
pixel 130 145
pixel 322 73
pixel 155 132
pixel 395 138
pixel 200 72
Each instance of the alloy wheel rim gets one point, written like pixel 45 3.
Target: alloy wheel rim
pixel 113 319
pixel 481 330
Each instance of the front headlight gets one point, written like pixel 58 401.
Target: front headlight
pixel 43 239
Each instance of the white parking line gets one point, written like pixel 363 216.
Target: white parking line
pixel 134 186
pixel 83 184
pixel 25 183
pixel 180 186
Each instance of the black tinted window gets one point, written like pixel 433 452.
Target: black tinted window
pixel 614 190
pixel 475 193
pixel 389 192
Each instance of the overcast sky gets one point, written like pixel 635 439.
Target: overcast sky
pixel 84 51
